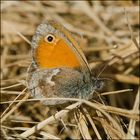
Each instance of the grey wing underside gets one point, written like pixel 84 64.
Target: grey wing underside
pixel 58 83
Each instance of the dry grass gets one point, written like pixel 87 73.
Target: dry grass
pixel 109 36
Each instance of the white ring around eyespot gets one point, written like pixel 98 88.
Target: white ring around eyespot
pixel 46 38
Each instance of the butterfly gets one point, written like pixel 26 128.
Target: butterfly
pixel 59 68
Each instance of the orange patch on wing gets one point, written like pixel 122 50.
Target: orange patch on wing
pixel 56 54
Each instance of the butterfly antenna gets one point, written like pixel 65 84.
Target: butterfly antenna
pixel 106 65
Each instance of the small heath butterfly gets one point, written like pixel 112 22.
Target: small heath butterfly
pixel 59 68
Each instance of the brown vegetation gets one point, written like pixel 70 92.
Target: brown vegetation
pixel 108 32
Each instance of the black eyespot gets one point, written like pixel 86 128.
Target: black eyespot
pixel 49 38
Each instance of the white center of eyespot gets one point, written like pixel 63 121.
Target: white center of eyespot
pixel 49 38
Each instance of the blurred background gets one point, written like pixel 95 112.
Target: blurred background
pixel 108 33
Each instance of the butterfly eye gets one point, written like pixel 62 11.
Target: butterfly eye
pixel 49 38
